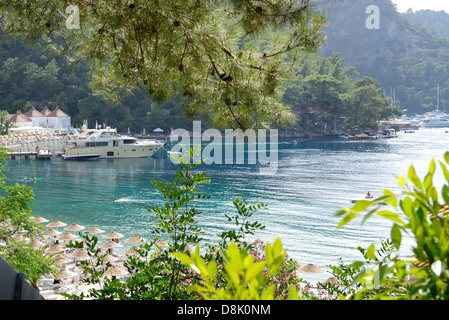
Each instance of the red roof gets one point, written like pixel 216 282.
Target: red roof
pixel 19 117
pixel 57 113
pixel 45 111
pixel 34 113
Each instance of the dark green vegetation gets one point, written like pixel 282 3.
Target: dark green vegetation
pixel 437 20
pixel 224 60
pixel 324 92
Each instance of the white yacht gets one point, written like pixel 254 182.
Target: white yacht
pixel 437 118
pixel 107 144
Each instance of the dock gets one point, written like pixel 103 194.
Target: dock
pixel 26 155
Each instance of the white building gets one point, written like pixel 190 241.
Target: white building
pixel 20 120
pixel 37 118
pixel 56 119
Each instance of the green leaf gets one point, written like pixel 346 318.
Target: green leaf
pixel 268 293
pixel 182 257
pixel 346 219
pixel 401 180
pixel 407 206
pixel 371 252
pixel 396 236
pixel 414 178
pixel 254 270
pixel 361 205
pixel 391 216
pixel 432 167
pixel 293 293
pixel 445 171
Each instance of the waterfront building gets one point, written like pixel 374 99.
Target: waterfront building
pixel 56 119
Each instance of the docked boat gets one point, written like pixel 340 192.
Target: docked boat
pixel 108 144
pixel 436 120
pixel 387 134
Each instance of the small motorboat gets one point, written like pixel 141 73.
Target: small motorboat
pixel 82 157
pixel 368 197
pixel 363 198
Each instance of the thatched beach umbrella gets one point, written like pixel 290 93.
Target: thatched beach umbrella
pixel 161 243
pixel 113 235
pixel 55 249
pixel 18 238
pixel 39 219
pixel 109 258
pixel 115 271
pixel 131 251
pixel 94 230
pixel 36 244
pixel 310 268
pixel 80 254
pixel 64 273
pixel 56 224
pixel 61 259
pixel 332 280
pixel 135 239
pixel 67 236
pixel 74 227
pixel 51 233
pixel 110 245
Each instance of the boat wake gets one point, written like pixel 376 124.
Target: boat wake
pixel 130 200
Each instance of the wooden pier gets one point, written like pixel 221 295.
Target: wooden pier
pixel 26 155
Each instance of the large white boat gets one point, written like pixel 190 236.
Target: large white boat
pixel 107 144
pixel 436 121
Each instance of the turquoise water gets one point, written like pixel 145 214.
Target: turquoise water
pixel 314 179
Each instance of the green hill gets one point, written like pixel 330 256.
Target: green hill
pixel 403 55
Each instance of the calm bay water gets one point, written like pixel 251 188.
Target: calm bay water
pixel 314 179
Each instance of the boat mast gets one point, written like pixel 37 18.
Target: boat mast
pixel 438 97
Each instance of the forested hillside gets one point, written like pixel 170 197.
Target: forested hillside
pixel 438 20
pixel 31 76
pixel 321 92
pixel 405 56
pixel 329 97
